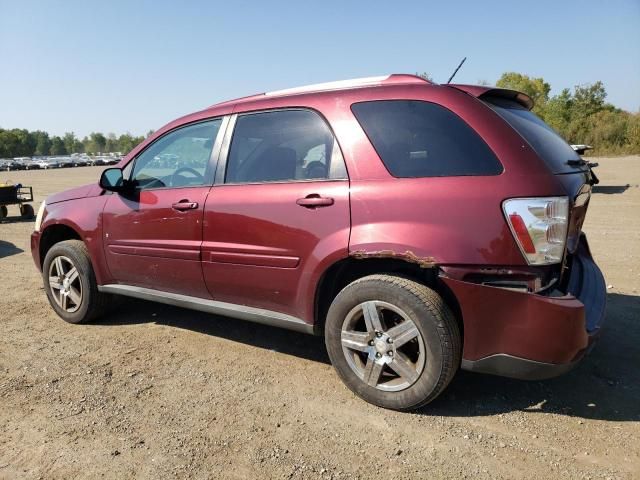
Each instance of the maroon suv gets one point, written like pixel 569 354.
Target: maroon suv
pixel 419 227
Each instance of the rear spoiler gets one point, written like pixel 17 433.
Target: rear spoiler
pixel 480 91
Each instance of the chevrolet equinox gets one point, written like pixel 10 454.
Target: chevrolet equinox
pixel 421 228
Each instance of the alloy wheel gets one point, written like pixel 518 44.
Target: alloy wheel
pixel 65 284
pixel 383 346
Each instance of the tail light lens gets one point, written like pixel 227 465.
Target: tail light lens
pixel 539 226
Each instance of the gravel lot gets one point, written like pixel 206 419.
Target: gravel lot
pixel 157 392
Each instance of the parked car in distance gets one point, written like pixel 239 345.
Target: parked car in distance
pixel 100 161
pixel 420 228
pixel 65 162
pixel 31 164
pixel 9 164
pixel 17 165
pixel 45 163
pixel 80 161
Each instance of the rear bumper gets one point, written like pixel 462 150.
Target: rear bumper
pixel 532 336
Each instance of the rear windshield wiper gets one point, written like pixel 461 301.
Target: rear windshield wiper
pixel 593 179
pixel 581 163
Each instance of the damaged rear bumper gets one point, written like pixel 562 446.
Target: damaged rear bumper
pixel 527 335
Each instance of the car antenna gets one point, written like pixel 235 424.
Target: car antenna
pixel 456 70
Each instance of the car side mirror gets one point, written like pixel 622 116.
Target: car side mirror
pixel 112 180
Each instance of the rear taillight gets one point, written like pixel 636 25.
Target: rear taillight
pixel 539 226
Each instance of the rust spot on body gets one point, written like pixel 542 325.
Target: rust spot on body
pixel 409 256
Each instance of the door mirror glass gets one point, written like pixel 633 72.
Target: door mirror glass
pixel 112 180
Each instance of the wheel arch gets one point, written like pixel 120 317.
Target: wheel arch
pixel 347 270
pixel 53 234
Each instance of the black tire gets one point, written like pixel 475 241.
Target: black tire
pixel 3 212
pixel 26 211
pixel 435 323
pixel 93 303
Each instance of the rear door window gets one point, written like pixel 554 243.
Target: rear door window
pixel 421 139
pixel 549 146
pixel 283 146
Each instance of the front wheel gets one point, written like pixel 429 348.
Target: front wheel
pixel 393 341
pixel 71 284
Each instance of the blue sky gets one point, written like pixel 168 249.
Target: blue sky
pixel 116 66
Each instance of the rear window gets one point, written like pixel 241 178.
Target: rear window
pixel 549 146
pixel 422 139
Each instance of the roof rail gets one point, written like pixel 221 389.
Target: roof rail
pixel 396 78
pixel 352 83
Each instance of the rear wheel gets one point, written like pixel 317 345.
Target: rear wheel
pixel 71 284
pixel 3 212
pixel 393 341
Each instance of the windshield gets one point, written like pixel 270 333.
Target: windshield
pixel 555 152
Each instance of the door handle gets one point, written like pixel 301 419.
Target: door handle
pixel 314 200
pixel 184 205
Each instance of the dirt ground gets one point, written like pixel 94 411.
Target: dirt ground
pixel 159 392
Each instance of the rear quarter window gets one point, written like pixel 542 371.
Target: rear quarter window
pixel 422 139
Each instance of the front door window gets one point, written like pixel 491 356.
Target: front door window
pixel 178 159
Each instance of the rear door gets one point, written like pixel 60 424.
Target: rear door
pixel 279 211
pixel 152 236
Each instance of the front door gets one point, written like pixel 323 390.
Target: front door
pixel 278 214
pixel 153 235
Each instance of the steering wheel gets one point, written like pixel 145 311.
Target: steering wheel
pixel 178 172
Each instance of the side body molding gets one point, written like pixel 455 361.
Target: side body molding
pixel 251 314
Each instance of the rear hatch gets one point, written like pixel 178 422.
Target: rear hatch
pixel 569 168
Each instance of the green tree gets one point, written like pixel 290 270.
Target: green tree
pixel 589 99
pixel 585 103
pixel 57 146
pixel 29 141
pixel 24 143
pixel 425 75
pixel 608 127
pixel 97 143
pixel 558 111
pixel 43 143
pixel 633 133
pixel 9 144
pixel 112 143
pixel 78 146
pixel 126 143
pixel 70 142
